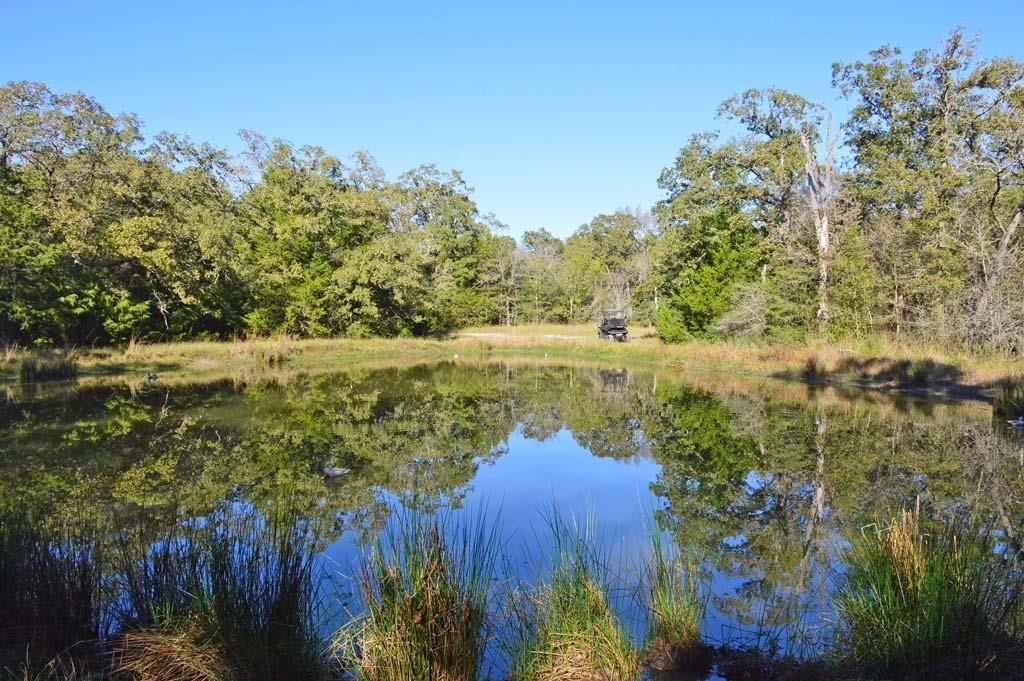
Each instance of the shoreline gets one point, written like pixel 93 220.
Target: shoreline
pixel 871 364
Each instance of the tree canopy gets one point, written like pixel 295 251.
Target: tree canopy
pixel 904 219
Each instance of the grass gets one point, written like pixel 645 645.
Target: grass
pixel 875 362
pixel 1009 402
pixel 676 608
pixel 918 604
pixel 425 585
pixel 239 593
pixel 565 629
pixel 48 365
pixel 49 591
pixel 236 597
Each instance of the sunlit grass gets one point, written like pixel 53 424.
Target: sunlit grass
pixel 425 586
pixel 565 629
pixel 675 605
pixel 929 604
pixel 875 361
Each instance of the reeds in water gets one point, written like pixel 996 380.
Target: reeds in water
pixel 50 582
pixel 237 598
pixel 425 585
pixel 930 605
pixel 676 607
pixel 566 629
pixel 47 365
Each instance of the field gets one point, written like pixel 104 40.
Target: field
pixel 876 362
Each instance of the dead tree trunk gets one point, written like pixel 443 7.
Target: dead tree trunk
pixel 820 187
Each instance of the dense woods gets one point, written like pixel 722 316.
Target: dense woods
pixel 905 218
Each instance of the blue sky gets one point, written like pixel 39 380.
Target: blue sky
pixel 554 111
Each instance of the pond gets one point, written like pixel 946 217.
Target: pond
pixel 763 481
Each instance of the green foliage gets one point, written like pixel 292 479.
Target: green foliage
pixel 192 242
pixel 930 604
pixel 709 257
pixel 426 585
pixel 106 236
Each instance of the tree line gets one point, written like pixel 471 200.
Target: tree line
pixel 903 219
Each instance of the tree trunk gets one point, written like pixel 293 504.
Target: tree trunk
pixel 819 182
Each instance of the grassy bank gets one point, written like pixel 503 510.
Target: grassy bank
pixel 238 597
pixel 880 363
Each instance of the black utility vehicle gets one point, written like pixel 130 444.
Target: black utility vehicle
pixel 613 325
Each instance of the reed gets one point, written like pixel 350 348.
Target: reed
pixel 425 586
pixel 50 588
pixel 929 604
pixel 1008 402
pixel 676 607
pixel 235 598
pixel 566 629
pixel 48 365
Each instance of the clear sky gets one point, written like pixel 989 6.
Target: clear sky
pixel 554 111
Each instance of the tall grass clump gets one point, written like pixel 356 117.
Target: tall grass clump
pixel 237 598
pixel 8 353
pixel 46 365
pixel 565 629
pixel 425 585
pixel 50 592
pixel 276 352
pixel 676 607
pixel 1008 402
pixel 917 604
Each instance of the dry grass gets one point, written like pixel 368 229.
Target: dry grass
pixel 9 353
pixel 878 362
pixel 169 655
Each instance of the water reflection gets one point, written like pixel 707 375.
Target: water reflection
pixel 765 480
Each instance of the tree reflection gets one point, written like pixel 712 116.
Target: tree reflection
pixel 768 479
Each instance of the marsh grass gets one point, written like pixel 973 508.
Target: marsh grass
pixel 923 604
pixel 50 585
pixel 47 365
pixel 566 629
pixel 9 353
pixel 61 668
pixel 676 606
pixel 237 597
pixel 426 586
pixel 1008 402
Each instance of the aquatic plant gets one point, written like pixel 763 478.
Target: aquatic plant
pixel 565 629
pixel 45 365
pixel 425 586
pixel 675 605
pixel 239 593
pixel 923 603
pixel 50 583
pixel 1008 401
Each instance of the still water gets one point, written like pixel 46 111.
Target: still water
pixel 764 481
